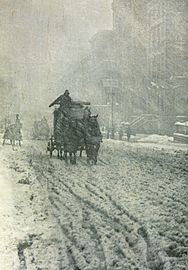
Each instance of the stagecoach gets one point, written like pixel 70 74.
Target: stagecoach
pixel 75 129
pixel 41 130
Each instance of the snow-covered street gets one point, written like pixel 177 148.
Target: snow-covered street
pixel 127 212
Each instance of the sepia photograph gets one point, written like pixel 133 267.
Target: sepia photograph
pixel 93 134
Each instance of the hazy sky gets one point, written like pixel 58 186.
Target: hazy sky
pixel 40 38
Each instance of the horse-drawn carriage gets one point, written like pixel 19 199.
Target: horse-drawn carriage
pixel 13 133
pixel 75 129
pixel 40 130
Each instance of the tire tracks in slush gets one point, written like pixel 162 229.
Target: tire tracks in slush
pixel 77 186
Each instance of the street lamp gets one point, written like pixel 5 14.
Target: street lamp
pixel 112 85
pixel 112 114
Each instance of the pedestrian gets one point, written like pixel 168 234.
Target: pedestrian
pixel 17 130
pixel 128 132
pixel 120 134
pixel 108 133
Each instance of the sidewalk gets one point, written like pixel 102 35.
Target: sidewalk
pixel 147 142
pixel 28 234
pixel 8 249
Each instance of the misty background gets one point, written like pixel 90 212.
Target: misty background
pixel 40 41
pixel 126 52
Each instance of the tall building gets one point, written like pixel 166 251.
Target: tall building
pixel 167 54
pixel 116 65
pixel 143 58
pixel 131 41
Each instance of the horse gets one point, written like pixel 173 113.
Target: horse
pixel 12 133
pixel 93 138
pixel 81 135
pixel 61 125
pixel 70 141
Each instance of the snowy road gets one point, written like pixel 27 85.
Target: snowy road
pixel 128 212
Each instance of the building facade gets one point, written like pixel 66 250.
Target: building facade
pixel 141 64
pixel 114 71
pixel 131 41
pixel 167 53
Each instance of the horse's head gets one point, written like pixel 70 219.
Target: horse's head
pixel 94 117
pixel 93 120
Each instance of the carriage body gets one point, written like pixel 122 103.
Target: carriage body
pixel 74 129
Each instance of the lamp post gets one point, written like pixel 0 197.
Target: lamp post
pixel 112 85
pixel 108 105
pixel 112 114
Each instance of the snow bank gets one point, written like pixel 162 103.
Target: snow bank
pixel 156 139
